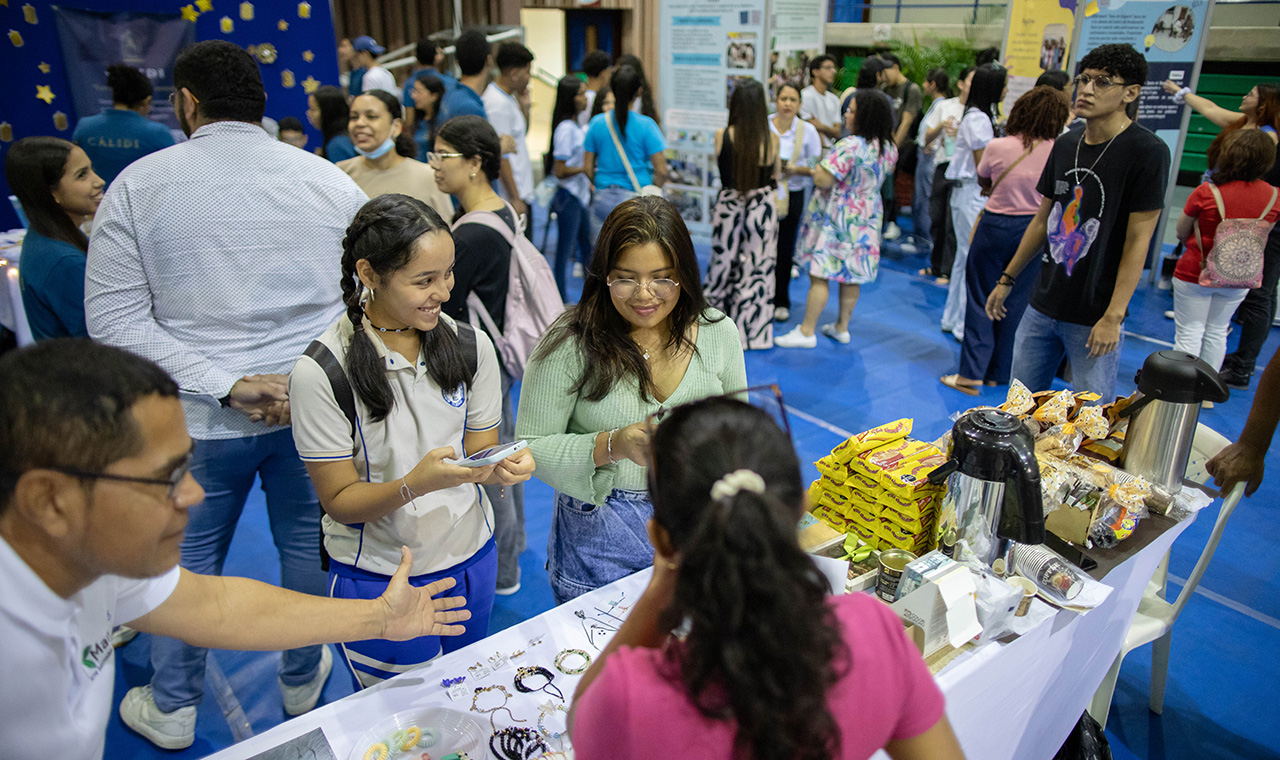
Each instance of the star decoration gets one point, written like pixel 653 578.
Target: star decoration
pixel 15 37
pixel 29 13
pixel 5 3
pixel 226 24
pixel 204 5
pixel 310 84
pixel 282 25
pixel 6 129
pixel 189 13
pixel 308 56
pixel 60 121
pixel 44 93
pixel 44 68
pixel 246 11
pixel 304 10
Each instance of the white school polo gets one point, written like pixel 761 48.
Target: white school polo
pixel 443 528
pixel 57 666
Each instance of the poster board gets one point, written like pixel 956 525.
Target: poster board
pixel 1037 39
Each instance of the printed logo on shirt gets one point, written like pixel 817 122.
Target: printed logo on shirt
pixel 94 656
pixel 457 397
pixel 1073 228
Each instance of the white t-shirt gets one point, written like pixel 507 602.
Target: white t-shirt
pixel 975 132
pixel 824 106
pixel 378 78
pixel 443 528
pixel 939 112
pixel 507 119
pixel 810 150
pixel 57 665
pixel 567 146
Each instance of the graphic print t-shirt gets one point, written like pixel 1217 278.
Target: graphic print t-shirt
pixel 1090 216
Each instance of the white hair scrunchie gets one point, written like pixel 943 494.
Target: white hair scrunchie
pixel 739 480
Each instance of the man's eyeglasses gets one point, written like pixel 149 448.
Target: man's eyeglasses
pixel 434 159
pixel 1099 83
pixel 173 481
pixel 660 289
pixel 173 99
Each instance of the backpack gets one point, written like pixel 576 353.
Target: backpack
pixel 340 384
pixel 533 300
pixel 1235 261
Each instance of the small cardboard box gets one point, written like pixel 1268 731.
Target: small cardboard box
pixel 945 609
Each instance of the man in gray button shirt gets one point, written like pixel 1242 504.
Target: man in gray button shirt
pixel 218 259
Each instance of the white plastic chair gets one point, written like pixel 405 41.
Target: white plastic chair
pixel 1153 622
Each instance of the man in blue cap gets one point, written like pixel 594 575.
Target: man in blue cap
pixel 375 77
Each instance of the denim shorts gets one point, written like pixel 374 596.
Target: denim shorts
pixel 592 546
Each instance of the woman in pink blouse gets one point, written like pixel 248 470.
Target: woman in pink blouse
pixel 771 667
pixel 1008 172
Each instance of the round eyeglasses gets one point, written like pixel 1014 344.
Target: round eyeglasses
pixel 660 289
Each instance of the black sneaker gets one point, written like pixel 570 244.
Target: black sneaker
pixel 1234 378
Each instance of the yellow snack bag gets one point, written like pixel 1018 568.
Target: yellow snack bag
pixel 873 438
pixel 911 505
pixel 815 493
pixel 908 479
pixel 1019 400
pixel 862 481
pixel 834 471
pixel 1056 409
pixel 918 523
pixel 899 451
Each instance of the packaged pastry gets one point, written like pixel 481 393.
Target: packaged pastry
pixel 835 501
pixel 832 518
pixel 864 517
pixel 1019 400
pixel 862 481
pixel 1115 525
pixel 1092 423
pixel 911 479
pixel 904 450
pixel 1056 409
pixel 916 522
pixel 1059 441
pixel 834 471
pixel 911 505
pixel 901 538
pixel 815 493
pixel 871 439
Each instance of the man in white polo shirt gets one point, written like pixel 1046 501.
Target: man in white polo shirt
pixel 818 104
pixel 502 107
pixel 95 484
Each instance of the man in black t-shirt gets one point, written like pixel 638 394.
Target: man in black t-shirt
pixel 908 102
pixel 1103 189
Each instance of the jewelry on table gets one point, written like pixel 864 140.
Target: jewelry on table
pixel 377 751
pixel 506 697
pixel 515 743
pixel 529 671
pixel 609 614
pixel 545 709
pixel 517 654
pixel 536 640
pixel 565 654
pixel 479 670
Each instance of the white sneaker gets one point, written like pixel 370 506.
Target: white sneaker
pixel 909 247
pixel 892 232
pixel 507 590
pixel 781 314
pixel 173 730
pixel 795 272
pixel 1168 314
pixel 838 337
pixel 796 339
pixel 301 699
pixel 577 269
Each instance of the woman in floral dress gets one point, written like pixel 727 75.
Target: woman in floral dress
pixel 842 224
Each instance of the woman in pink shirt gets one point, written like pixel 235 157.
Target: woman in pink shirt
pixel 1008 171
pixel 771 666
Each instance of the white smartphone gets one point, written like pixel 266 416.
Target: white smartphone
pixel 491 455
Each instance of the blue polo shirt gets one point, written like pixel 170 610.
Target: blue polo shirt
pixel 449 83
pixel 340 148
pixel 643 138
pixel 355 81
pixel 461 101
pixel 51 277
pixel 114 139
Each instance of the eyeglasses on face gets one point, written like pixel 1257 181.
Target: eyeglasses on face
pixel 660 289
pixel 1099 83
pixel 173 99
pixel 173 481
pixel 435 158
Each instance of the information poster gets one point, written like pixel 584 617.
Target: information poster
pixel 795 33
pixel 707 48
pixel 1168 33
pixel 1037 38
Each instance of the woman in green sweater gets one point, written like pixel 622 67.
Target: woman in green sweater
pixel 642 338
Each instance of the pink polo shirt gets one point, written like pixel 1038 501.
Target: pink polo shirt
pixel 632 711
pixel 1017 191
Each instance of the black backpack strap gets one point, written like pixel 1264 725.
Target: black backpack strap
pixel 470 349
pixel 346 399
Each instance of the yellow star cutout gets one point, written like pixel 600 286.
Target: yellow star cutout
pixel 282 25
pixel 308 56
pixel 204 5
pixel 5 3
pixel 44 93
pixel 310 84
pixel 44 68
pixel 189 13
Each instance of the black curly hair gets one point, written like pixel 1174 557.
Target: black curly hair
pixel 1117 60
pixel 224 79
pixel 763 647
pixel 129 86
pixel 385 232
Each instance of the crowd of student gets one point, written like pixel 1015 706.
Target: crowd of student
pixel 348 378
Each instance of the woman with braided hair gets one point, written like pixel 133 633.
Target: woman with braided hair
pixel 772 667
pixel 426 393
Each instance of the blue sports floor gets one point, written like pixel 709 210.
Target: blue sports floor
pixel 1223 674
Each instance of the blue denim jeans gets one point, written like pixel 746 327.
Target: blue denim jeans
pixel 227 469
pixel 592 546
pixel 508 502
pixel 605 201
pixel 573 229
pixel 1040 345
pixel 921 223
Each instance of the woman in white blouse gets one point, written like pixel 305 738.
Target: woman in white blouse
pixel 800 148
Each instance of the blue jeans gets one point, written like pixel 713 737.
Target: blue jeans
pixel 920 220
pixel 573 227
pixel 1040 345
pixel 605 201
pixel 987 353
pixel 226 469
pixel 507 502
pixel 592 546
pixel 374 660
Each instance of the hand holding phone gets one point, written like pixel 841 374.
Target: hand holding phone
pixel 491 455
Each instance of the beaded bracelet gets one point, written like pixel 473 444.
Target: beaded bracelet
pixel 517 744
pixel 506 697
pixel 545 709
pixel 537 670
pixel 565 653
pixel 609 446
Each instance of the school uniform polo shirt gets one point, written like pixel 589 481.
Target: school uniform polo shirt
pixel 442 528
pixel 460 102
pixel 57 664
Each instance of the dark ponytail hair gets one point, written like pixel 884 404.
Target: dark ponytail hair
pixel 986 90
pixel 625 83
pixel 646 92
pixel 474 137
pixel 35 166
pixel 763 647
pixel 385 232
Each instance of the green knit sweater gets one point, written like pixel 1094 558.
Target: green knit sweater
pixel 561 427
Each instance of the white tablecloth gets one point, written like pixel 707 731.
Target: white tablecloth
pixel 1018 700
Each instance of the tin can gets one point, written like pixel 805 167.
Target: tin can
pixel 892 564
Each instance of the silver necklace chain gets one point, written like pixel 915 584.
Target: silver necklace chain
pixel 1076 169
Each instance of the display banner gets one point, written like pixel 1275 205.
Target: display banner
pixel 1037 39
pixel 1169 34
pixel 795 38
pixel 92 41
pixel 706 48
